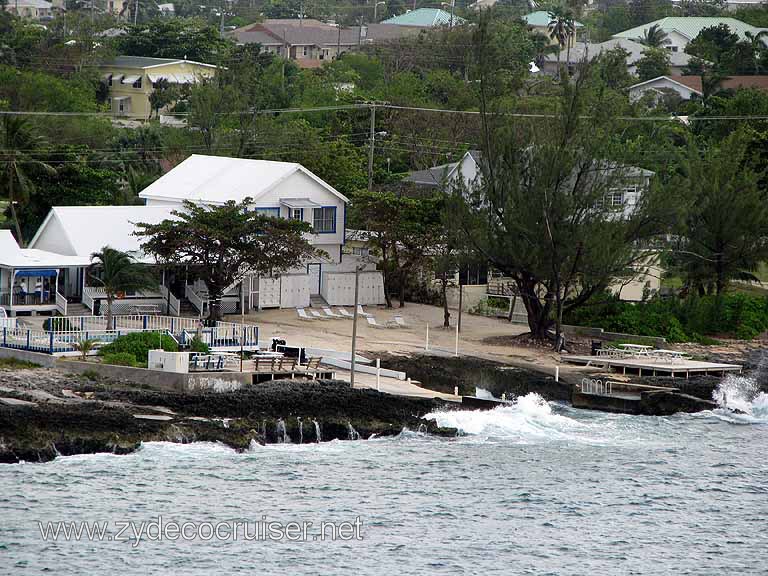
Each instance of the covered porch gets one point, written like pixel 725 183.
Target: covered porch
pixel 36 281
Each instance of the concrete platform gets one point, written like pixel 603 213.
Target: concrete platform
pixel 651 367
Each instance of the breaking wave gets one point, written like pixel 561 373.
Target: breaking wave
pixel 528 418
pixel 741 400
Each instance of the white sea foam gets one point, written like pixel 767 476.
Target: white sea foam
pixel 528 418
pixel 741 400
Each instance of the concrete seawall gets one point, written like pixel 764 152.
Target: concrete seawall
pixel 156 380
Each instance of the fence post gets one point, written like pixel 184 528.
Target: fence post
pixel 173 324
pixel 82 320
pixel 144 323
pixel 5 335
pixel 457 340
pixel 50 339
pixel 27 339
pixel 378 374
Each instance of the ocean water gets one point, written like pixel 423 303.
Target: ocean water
pixel 531 488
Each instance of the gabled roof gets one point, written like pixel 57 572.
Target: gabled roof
pixel 309 32
pixel 12 256
pixel 218 179
pixel 144 62
pixel 695 83
pixel 87 229
pixel 541 18
pixel 424 18
pixel 690 26
pixel 39 4
pixel 438 175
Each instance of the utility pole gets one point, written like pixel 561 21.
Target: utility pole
pixel 338 42
pixel 461 294
pixel 135 12
pixel 453 5
pixel 354 328
pixel 370 149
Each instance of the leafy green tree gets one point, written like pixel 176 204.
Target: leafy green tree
pixel 714 44
pixel 29 90
pixel 116 271
pixel 223 244
pixel 540 213
pixel 18 160
pixel 163 94
pixel 72 181
pixel 611 67
pixel 654 63
pixel 189 38
pixel 725 233
pixel 209 103
pixel 402 230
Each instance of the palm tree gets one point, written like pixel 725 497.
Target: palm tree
pixel 562 28
pixel 119 272
pixel 758 46
pixel 17 161
pixel 655 37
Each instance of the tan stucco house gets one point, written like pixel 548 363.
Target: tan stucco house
pixel 131 80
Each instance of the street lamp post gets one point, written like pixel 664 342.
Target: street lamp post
pixel 354 326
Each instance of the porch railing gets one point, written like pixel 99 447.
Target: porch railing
pixel 43 298
pixel 61 304
pixel 173 303
pixel 200 303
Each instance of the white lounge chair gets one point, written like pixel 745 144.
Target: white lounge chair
pixel 400 322
pixel 331 314
pixel 318 316
pixel 363 313
pixel 303 314
pixel 344 313
pixel 372 322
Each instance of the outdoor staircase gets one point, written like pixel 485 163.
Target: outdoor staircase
pixel 186 309
pixel 77 309
pixel 317 301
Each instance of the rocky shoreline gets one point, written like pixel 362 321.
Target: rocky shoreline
pixel 52 413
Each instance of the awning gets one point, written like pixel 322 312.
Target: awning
pixel 115 78
pixel 106 77
pixel 45 273
pixel 178 78
pixel 130 79
pixel 299 203
pixel 121 98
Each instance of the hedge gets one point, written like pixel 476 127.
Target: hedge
pixel 139 344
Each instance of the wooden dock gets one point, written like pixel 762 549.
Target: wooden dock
pixel 653 367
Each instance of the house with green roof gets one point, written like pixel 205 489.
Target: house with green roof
pixel 425 18
pixel 681 30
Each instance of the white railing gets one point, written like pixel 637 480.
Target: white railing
pixel 87 298
pixel 226 335
pixel 172 324
pixel 195 299
pixel 52 342
pixel 596 386
pixel 173 303
pixel 61 304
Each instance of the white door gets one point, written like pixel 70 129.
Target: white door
pixel 313 271
pixel 269 292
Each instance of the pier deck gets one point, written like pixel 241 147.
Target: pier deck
pixel 653 367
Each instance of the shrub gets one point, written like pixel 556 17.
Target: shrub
pixel 119 359
pixel 197 345
pixel 139 344
pixel 58 324
pixel 678 320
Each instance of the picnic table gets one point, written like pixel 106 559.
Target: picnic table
pixel 672 355
pixel 636 349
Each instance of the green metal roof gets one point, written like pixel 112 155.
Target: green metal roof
pixel 541 18
pixel 425 18
pixel 690 26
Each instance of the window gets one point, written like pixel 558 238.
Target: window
pixel 273 212
pixel 616 198
pixel 297 213
pixel 324 220
pixel 109 80
pixel 304 51
pixel 357 251
pixel 137 84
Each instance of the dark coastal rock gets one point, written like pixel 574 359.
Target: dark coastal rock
pixel 272 412
pixel 443 373
pixel 663 403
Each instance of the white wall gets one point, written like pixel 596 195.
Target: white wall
pixel 299 185
pixel 661 84
pixel 54 239
pixel 338 288
pixel 294 291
